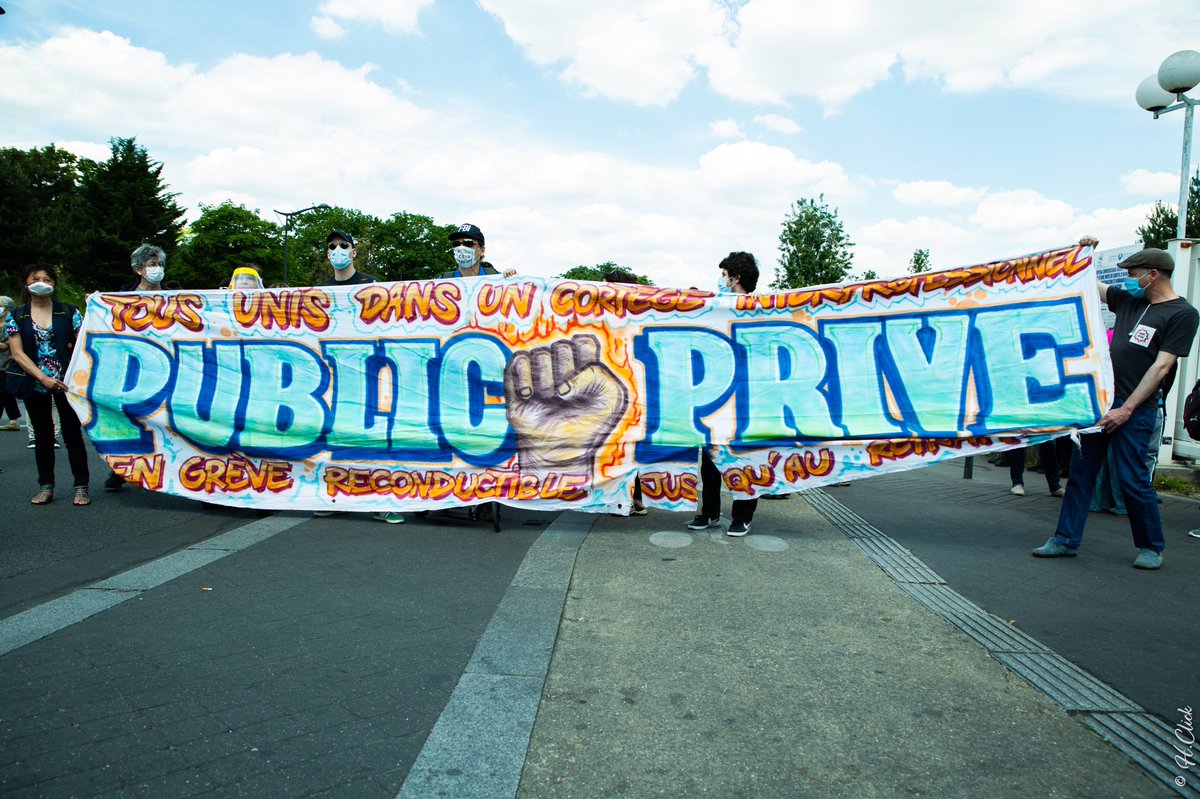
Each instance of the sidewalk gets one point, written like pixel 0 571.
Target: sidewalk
pixel 786 664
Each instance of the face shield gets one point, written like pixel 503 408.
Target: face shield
pixel 245 279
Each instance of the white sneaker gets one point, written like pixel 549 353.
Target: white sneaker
pixel 1018 490
pixel 10 426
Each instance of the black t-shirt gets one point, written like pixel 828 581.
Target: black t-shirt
pixel 1142 330
pixel 353 280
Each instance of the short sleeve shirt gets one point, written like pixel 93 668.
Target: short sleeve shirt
pixel 1142 331
pixel 46 357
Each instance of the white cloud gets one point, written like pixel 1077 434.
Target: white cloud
pixel 935 192
pixel 761 174
pixel 779 124
pixel 327 28
pixel 766 51
pixel 644 53
pixel 398 16
pixel 1153 184
pixel 726 129
pixel 1019 210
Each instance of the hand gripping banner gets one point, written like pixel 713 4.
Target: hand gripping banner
pixel 558 394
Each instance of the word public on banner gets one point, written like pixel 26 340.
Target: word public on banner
pixel 560 394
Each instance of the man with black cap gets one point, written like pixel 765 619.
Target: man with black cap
pixel 339 248
pixel 1154 328
pixel 466 244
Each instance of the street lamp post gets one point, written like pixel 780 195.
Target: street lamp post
pixel 1161 93
pixel 1166 91
pixel 287 229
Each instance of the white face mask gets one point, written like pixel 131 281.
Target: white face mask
pixel 154 274
pixel 464 256
pixel 340 258
pixel 40 289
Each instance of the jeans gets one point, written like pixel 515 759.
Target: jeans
pixel 710 493
pixel 37 409
pixel 1128 444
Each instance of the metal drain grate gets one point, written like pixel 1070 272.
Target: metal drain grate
pixel 900 564
pixel 1149 743
pixel 1067 684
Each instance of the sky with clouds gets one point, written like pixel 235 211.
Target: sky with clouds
pixel 658 135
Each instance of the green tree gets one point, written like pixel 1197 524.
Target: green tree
pixel 222 238
pixel 124 203
pixel 409 247
pixel 1162 221
pixel 598 272
pixel 813 247
pixel 870 275
pixel 39 209
pixel 919 262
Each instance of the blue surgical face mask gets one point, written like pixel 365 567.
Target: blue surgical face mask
pixel 340 258
pixel 40 289
pixel 723 286
pixel 155 274
pixel 1133 285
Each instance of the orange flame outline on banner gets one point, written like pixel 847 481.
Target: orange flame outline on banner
pixel 1042 266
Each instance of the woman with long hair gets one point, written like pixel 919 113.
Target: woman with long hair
pixel 41 337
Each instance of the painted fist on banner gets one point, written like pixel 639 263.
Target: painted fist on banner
pixel 563 403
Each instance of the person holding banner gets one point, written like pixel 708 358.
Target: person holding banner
pixel 1154 328
pixel 467 246
pixel 739 275
pixel 41 336
pixel 339 249
pixel 149 263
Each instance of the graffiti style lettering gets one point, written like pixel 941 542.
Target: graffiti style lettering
pixel 621 300
pixel 235 475
pixel 490 484
pixel 556 393
pixel 282 310
pixel 155 311
pixel 409 302
pixel 146 471
pixel 506 299
pixel 668 486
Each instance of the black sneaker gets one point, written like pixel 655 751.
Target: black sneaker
pixel 702 522
pixel 114 482
pixel 738 529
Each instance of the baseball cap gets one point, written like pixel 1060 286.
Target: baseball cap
pixel 1150 258
pixel 340 234
pixel 467 231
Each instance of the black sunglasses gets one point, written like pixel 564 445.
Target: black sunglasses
pixel 464 243
pixel 333 245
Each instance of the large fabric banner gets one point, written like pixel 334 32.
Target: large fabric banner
pixel 557 394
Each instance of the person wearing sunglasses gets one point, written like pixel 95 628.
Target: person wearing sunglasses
pixel 339 249
pixel 467 247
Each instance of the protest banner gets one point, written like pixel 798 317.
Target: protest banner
pixel 560 394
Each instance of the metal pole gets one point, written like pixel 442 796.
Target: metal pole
pixel 1185 169
pixel 287 224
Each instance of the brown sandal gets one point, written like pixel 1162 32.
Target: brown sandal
pixel 44 496
pixel 81 496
